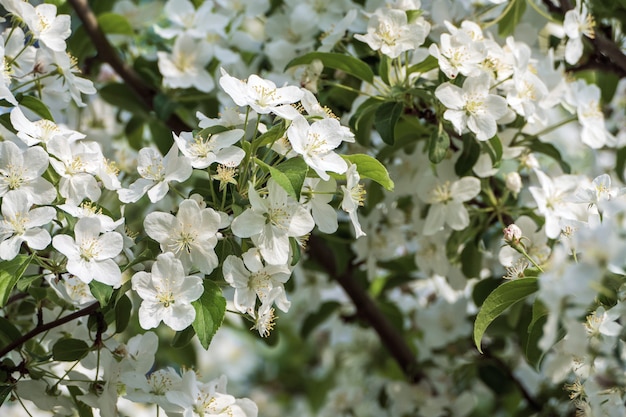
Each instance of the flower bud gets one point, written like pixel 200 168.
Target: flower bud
pixel 513 182
pixel 512 234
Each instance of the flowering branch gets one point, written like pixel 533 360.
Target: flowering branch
pixel 45 327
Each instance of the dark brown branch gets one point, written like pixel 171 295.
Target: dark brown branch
pixel 367 309
pixel 108 54
pixel 45 327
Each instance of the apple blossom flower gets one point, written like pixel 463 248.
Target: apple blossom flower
pixel 90 254
pixel 316 196
pixel 353 195
pixel 22 169
pixel 389 31
pixel 271 221
pixel 457 54
pixel 156 173
pixel 76 163
pixel 44 24
pixel 40 131
pixel 205 399
pixel 577 23
pixel 316 143
pixel 21 224
pixel 191 235
pixel 446 198
pixel 261 95
pixel 167 294
pixel 186 20
pixel 472 106
pixel 185 66
pixel 218 147
pixel 252 279
pixel 89 209
pixel 553 198
pixel 586 98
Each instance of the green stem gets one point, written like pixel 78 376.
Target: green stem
pixel 539 11
pixel 509 6
pixel 527 256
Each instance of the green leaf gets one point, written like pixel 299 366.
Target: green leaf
pixel 511 17
pixel 123 308
pixel 161 135
pixel 499 300
pixel 134 132
pixel 383 68
pixel 8 332
pixel 37 106
pixel 11 272
pixel 346 63
pixel 535 331
pixel 271 136
pixel 102 292
pixel 210 309
pixel 494 148
pixel 370 167
pixel 430 63
pixel 385 120
pixel 163 106
pixel 5 121
pixel 83 409
pixel 289 175
pixel 471 260
pixel 69 350
pixel 469 156
pixel 295 250
pixel 5 390
pixel 183 337
pixel 115 24
pixel 551 151
pixel 438 145
pixel 315 319
pixel 362 120
pixel 123 97
pixel 295 169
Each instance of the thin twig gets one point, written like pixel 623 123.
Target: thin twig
pixel 45 327
pixel 367 309
pixel 108 54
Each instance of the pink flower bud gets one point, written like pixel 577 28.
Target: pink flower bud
pixel 512 234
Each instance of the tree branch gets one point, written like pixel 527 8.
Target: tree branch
pixel 45 327
pixel 367 309
pixel 108 54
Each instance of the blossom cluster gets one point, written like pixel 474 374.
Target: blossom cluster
pixel 144 231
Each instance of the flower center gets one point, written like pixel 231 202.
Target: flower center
pixel 474 104
pixel 260 283
pixel 47 129
pixel 316 145
pixel 185 240
pixel 89 249
pixel 441 193
pixel 14 178
pixel 266 96
pixel 387 36
pixel 18 223
pixel 202 147
pixel 155 171
pixel 278 217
